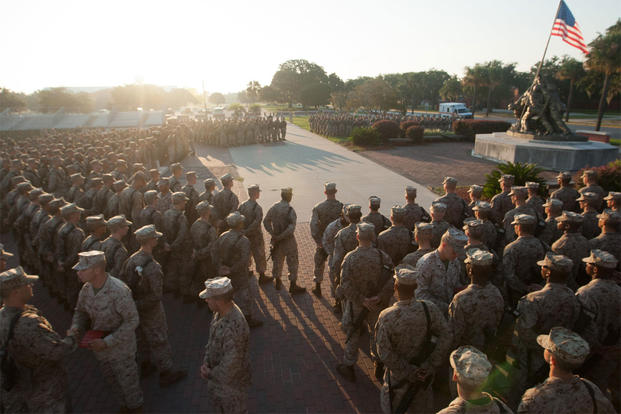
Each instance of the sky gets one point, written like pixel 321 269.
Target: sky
pixel 225 44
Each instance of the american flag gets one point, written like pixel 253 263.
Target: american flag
pixel 566 27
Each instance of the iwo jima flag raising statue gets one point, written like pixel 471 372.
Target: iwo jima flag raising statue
pixel 539 110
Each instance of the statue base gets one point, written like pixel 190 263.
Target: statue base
pixel 556 138
pixel 557 155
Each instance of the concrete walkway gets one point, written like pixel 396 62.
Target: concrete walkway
pixel 304 162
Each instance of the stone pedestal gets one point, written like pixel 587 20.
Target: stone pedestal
pixel 553 155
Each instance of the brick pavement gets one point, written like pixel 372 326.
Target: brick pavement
pixel 293 355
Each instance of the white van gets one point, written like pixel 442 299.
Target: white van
pixel 457 108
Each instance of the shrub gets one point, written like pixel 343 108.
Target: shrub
pixel 405 125
pixel 522 172
pixel 415 134
pixel 365 137
pixel 608 176
pixel 470 127
pixel 387 129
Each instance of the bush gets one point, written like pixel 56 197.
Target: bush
pixel 387 129
pixel 608 176
pixel 415 134
pixel 365 137
pixel 405 125
pixel 522 172
pixel 470 127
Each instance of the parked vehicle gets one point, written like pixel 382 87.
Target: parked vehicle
pixel 457 108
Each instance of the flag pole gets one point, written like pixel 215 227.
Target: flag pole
pixel 548 42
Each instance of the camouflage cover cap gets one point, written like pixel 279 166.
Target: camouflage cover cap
pixel 532 185
pixel 209 181
pixel 163 182
pixel 70 209
pixel 455 237
pixel 329 186
pixel 45 198
pixel 204 205
pixel 234 219
pixel 588 173
pixel 354 208
pixel 553 202
pixel 15 278
pixel 518 191
pixel 506 177
pixel 422 226
pixel 571 217
pixel 397 211
pixel 140 175
pixel 471 224
pixel 190 174
pixel 57 203
pixel 375 200
pixel 601 258
pixel 215 287
pixel 557 262
pixel 175 165
pixel 178 197
pixel 564 175
pixel 254 187
pixel 613 195
pixel 523 219
pixel 471 365
pixel 3 253
pixel 588 196
pixel 449 180
pixel 438 207
pixel 475 189
pixel 119 185
pixel 76 176
pixel 25 186
pixel 226 177
pixel 147 232
pixel 406 275
pixel 410 189
pixel 119 220
pixel 153 171
pixel 86 260
pixel 35 192
pixel 482 205
pixel 286 190
pixel 367 229
pixel 566 345
pixel 149 196
pixel 17 179
pixel 93 221
pixel 607 215
pixel 479 257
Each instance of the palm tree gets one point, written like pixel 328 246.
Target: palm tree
pixel 474 78
pixel 605 57
pixel 494 76
pixel 571 70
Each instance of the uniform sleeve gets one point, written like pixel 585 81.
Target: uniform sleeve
pixel 229 366
pixel 136 206
pixel 81 319
pixel 119 260
pixel 525 323
pixel 338 255
pixel 256 223
pixel 267 221
pixel 424 279
pixel 386 352
pixel 439 329
pixel 182 234
pixel 456 321
pixel 75 243
pixel 511 278
pixel 155 278
pixel 42 340
pixel 314 225
pixel 244 256
pixel 347 286
pixel 126 307
pixel 288 231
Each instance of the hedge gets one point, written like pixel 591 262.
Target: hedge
pixel 405 125
pixel 415 134
pixel 470 127
pixel 365 137
pixel 387 129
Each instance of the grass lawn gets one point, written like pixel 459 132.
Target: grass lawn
pixel 615 141
pixel 302 122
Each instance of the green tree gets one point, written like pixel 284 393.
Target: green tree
pixel 496 74
pixel 315 94
pixel 335 83
pixel 11 100
pixel 432 83
pixel 217 98
pixel 339 100
pixel 53 99
pixel 374 94
pixel 252 91
pixel 572 70
pixel 451 90
pixel 605 57
pixel 296 75
pixel 474 79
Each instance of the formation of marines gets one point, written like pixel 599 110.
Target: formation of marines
pixel 341 124
pixel 234 132
pixel 466 291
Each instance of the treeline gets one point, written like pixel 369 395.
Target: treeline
pixel 120 98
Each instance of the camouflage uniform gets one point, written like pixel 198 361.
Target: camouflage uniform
pixel 608 242
pixel 575 246
pixel 456 209
pixel 68 244
pixel 508 219
pixel 520 265
pixel 413 258
pixel 328 240
pixel 164 202
pixel 414 214
pixel 149 215
pixel 475 314
pixel 116 254
pixel 227 355
pixel 590 228
pixel 113 311
pixel 461 406
pixel 501 204
pixel 379 221
pixel 344 242
pixel 550 233
pixel 177 235
pixel 594 188
pixel 47 235
pixel 362 268
pixel 91 243
pixel 438 283
pixel 396 350
pixel 203 237
pixel 225 202
pixel 280 222
pixel 190 207
pixel 396 242
pixel 439 228
pixel 323 214
pixel 568 195
pixel 38 352
pixel 253 214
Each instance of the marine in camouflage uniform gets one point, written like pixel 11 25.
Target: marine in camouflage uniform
pixel 534 201
pixel 519 260
pixel 610 239
pixel 112 205
pixel 225 201
pixel 573 245
pixel 175 179
pixel 105 304
pixel 475 192
pixel 539 311
pixel 551 232
pixel 483 211
pixel 192 195
pixel 35 347
pixel 439 225
pixel 145 278
pixel 360 288
pixel 280 222
pixel 100 200
pixel 501 202
pixel 46 236
pixel 327 241
pixel 204 236
pixel 178 277
pixel 397 240
pixel 475 313
pixel 379 221
pixel 207 195
pixel 422 234
pixel 413 212
pixel 164 202
pixel 97 227
pixel 68 243
pixel 601 301
pixel 345 240
pixel 438 282
pixel 323 214
pixel 226 364
pixel 397 351
pixel 588 202
pixel 253 216
pixel 562 392
pixel 589 178
pixel 456 207
pixel 518 198
pixel 567 193
pixel 115 252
